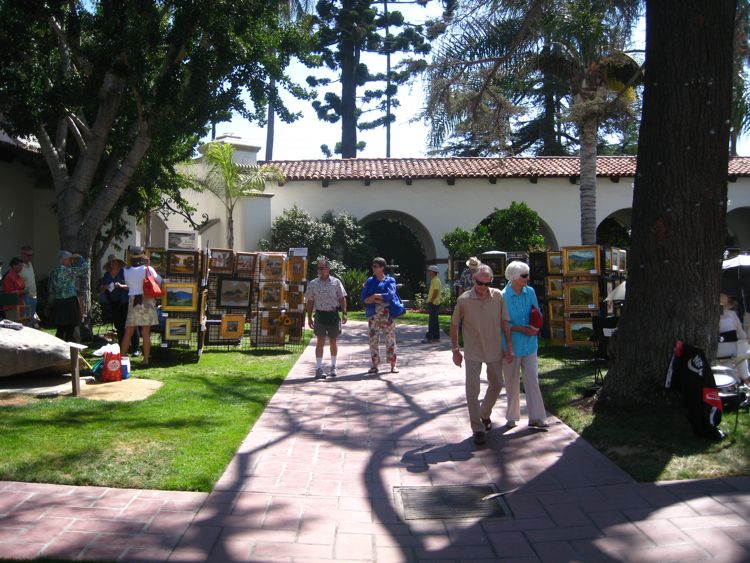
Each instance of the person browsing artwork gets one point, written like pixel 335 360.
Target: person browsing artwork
pixel 382 305
pixel 324 297
pixel 433 305
pixel 482 315
pixel 519 299
pixel 66 311
pixel 13 284
pixel 29 280
pixel 141 309
pixel 466 280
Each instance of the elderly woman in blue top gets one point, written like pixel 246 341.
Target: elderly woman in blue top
pixel 518 299
pixel 66 312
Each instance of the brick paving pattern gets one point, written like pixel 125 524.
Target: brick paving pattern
pixel 314 479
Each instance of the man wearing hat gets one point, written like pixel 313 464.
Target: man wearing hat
pixel 433 304
pixel 466 281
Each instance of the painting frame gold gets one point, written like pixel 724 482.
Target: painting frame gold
pixel 553 286
pixel 581 260
pixel 296 269
pixel 555 310
pixel 177 329
pixel 554 263
pixel 232 326
pixel 578 332
pixel 271 294
pixel 557 333
pixel 271 266
pixel 581 296
pixel 174 300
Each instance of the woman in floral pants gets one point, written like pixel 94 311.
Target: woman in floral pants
pixel 379 296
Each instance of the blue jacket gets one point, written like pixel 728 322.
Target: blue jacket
pixel 386 287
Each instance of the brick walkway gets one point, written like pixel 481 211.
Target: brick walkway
pixel 313 481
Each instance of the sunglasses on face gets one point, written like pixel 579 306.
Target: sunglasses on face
pixel 524 275
pixel 485 284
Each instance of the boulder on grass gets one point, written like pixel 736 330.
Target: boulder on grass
pixel 31 350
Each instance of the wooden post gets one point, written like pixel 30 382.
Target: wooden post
pixel 74 351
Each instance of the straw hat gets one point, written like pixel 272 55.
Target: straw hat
pixel 473 262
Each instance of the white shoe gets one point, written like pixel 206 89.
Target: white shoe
pixel 538 423
pixel 333 372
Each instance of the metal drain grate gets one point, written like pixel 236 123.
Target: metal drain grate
pixel 452 502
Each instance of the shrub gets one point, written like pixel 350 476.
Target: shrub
pixel 353 281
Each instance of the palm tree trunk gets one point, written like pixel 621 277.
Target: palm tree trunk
pixel 588 128
pixel 230 229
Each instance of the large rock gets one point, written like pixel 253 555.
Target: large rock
pixel 31 350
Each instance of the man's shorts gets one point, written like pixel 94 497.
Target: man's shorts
pixel 327 324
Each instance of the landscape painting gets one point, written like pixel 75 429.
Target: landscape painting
pixel 234 293
pixel 578 332
pixel 177 329
pixel 554 263
pixel 182 263
pixel 581 296
pixel 180 296
pixel 581 260
pixel 244 266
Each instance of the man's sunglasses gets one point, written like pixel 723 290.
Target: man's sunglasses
pixel 485 284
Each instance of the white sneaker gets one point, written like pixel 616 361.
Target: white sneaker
pixel 319 374
pixel 538 423
pixel 333 372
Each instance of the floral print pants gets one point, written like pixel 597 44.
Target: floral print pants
pixel 381 321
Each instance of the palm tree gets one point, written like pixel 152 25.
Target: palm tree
pixel 221 175
pixel 569 53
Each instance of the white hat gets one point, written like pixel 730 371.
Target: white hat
pixel 473 262
pixel 433 268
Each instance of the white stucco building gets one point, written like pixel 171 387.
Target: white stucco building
pixel 431 196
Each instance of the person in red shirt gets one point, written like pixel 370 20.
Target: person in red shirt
pixel 13 284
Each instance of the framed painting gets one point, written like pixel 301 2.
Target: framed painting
pixel 297 269
pixel 581 260
pixel 179 296
pixel 557 334
pixel 271 294
pixel 182 263
pixel 609 262
pixel 221 260
pixel 554 263
pixel 158 259
pixel 272 267
pixel 556 310
pixel 623 261
pixel 233 293
pixel 582 296
pixel 496 261
pixel 554 286
pixel 578 332
pixel 183 240
pixel 232 326
pixel 296 297
pixel 177 329
pixel 244 264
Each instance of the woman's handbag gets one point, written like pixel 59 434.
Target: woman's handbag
pixel 151 287
pixel 535 317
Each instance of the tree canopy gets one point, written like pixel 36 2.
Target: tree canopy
pixel 110 88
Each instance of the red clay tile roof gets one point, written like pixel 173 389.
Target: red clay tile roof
pixel 424 168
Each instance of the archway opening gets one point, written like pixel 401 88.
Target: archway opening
pixel 398 244
pixel 615 229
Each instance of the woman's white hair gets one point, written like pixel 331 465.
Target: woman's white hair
pixel 515 269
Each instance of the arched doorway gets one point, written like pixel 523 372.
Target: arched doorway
pixel 738 228
pixel 614 230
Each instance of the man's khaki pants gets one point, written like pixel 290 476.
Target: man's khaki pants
pixel 495 385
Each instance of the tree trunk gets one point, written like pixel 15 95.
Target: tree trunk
pixel 270 128
pixel 588 128
pixel 230 229
pixel 349 61
pixel 679 203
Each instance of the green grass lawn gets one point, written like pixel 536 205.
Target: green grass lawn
pixel 181 438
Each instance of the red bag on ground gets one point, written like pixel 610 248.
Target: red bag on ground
pixel 112 369
pixel 535 318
